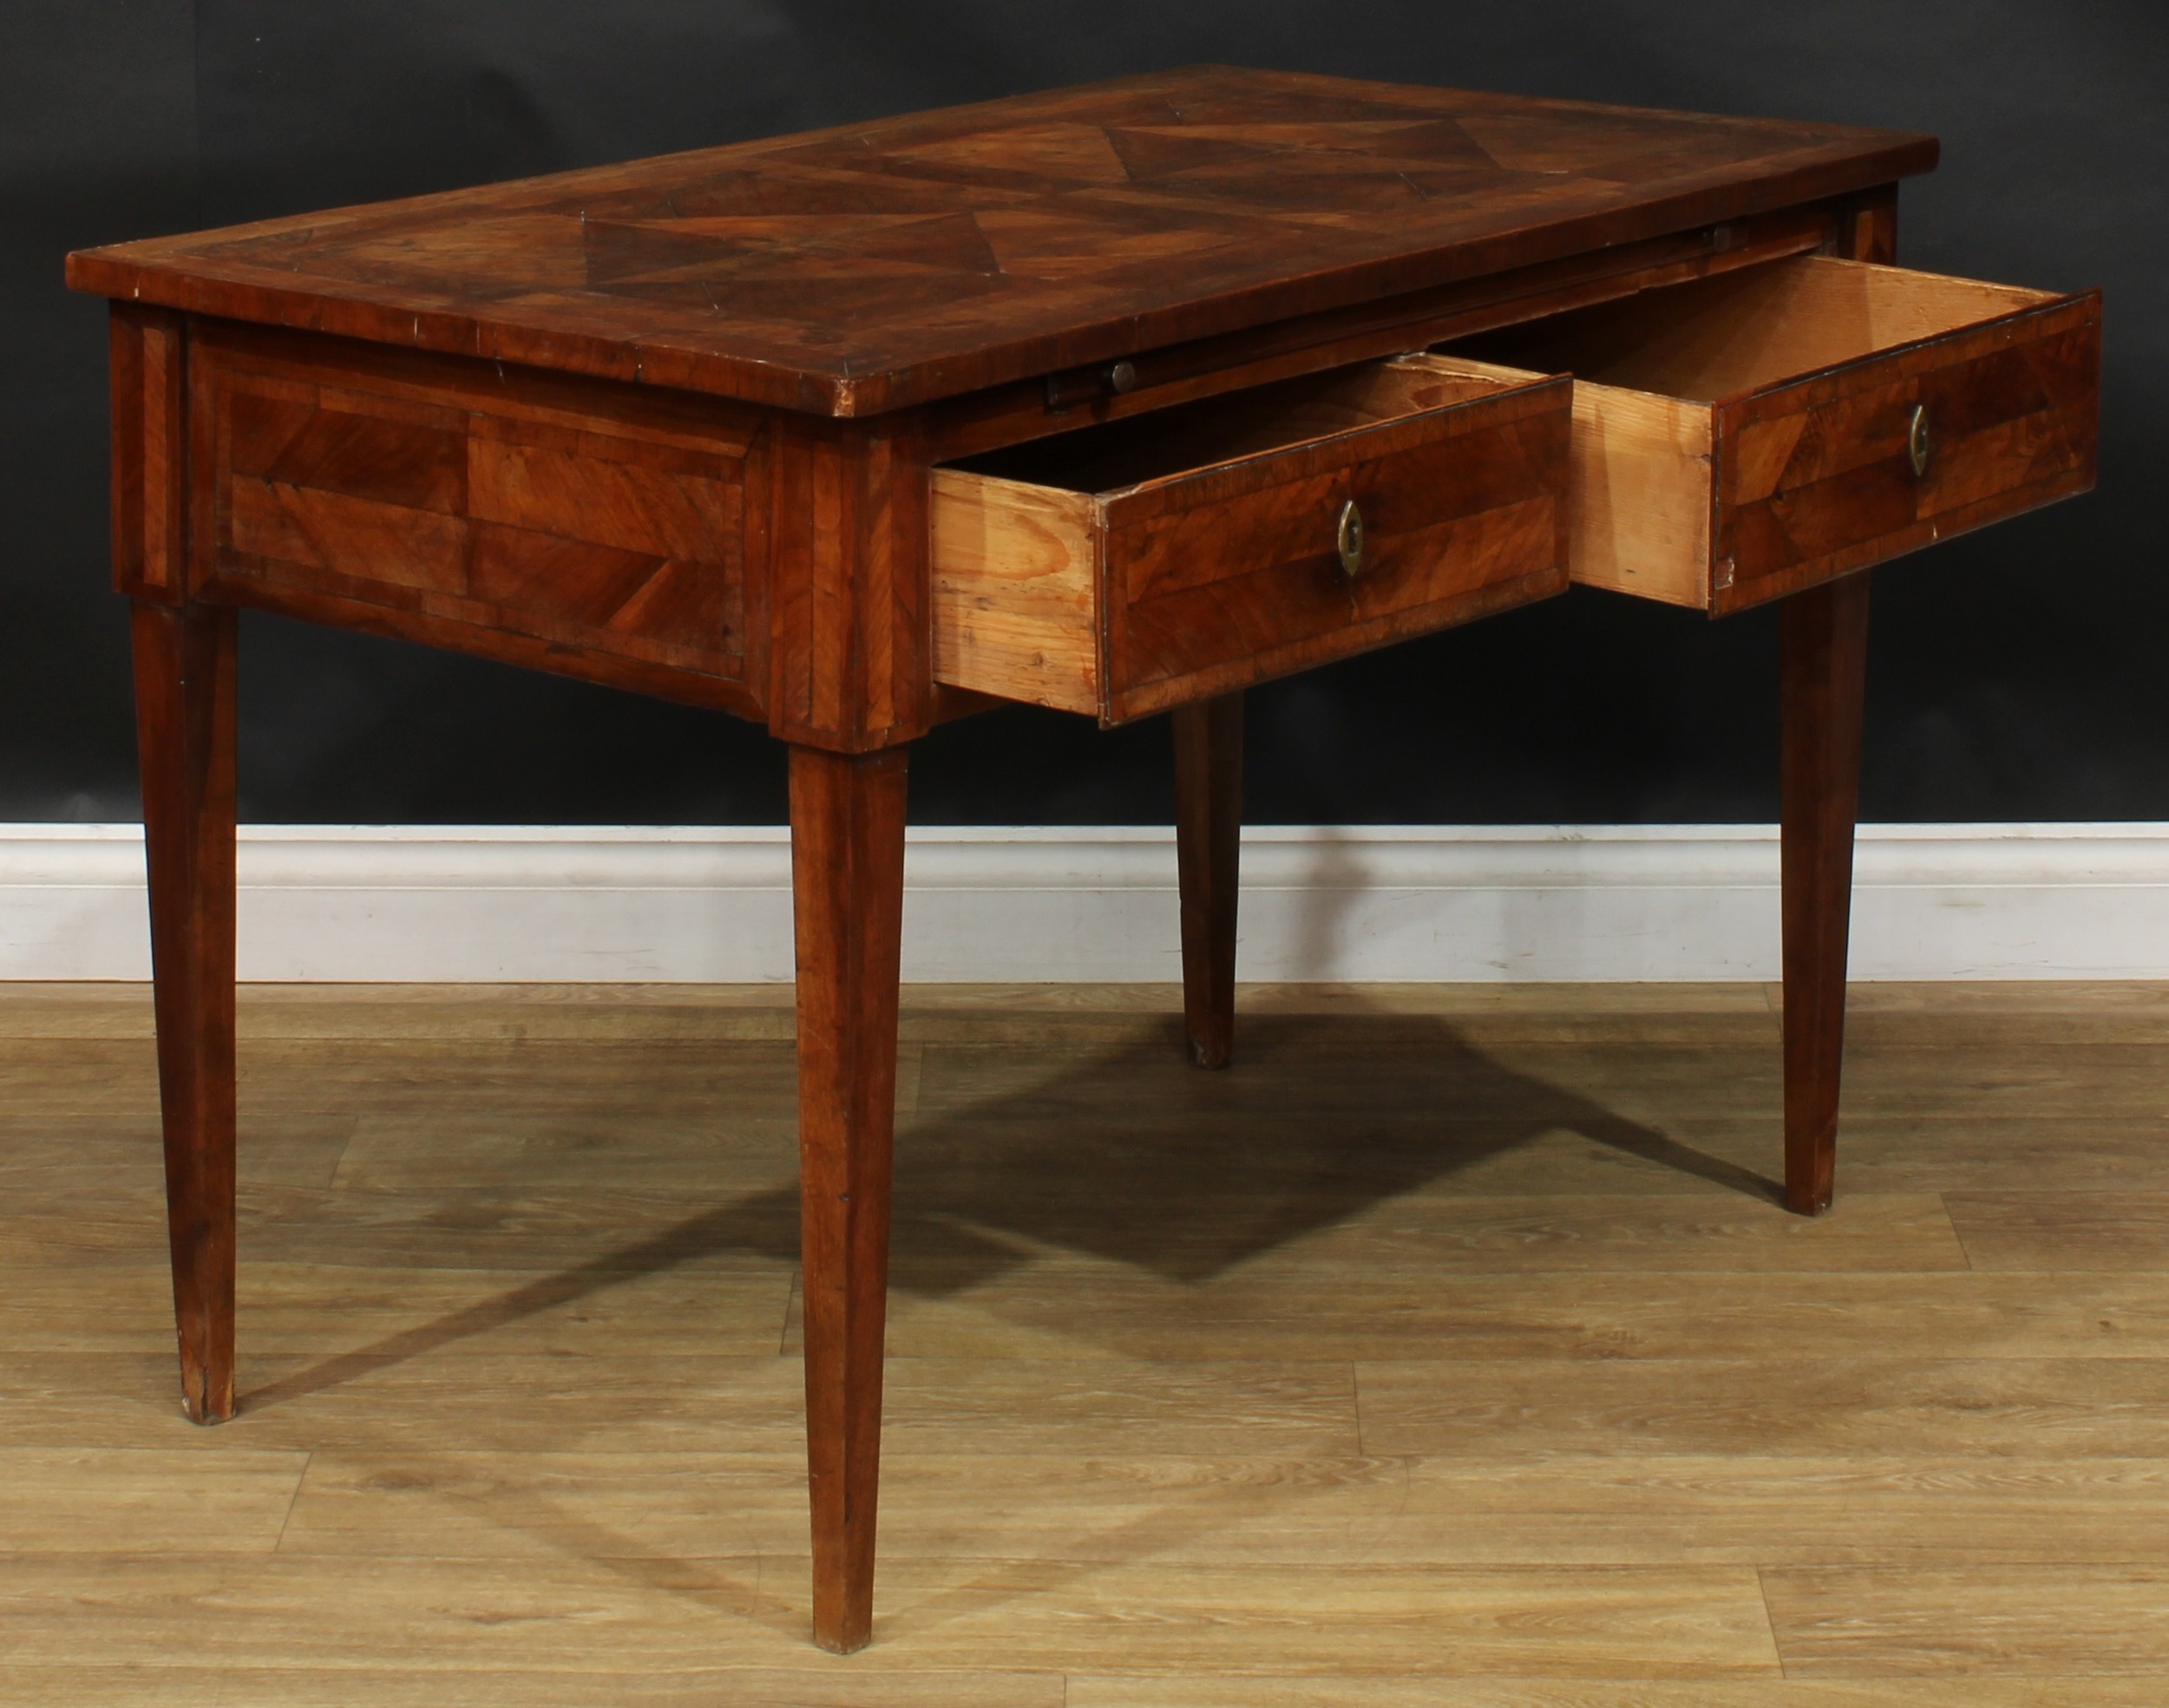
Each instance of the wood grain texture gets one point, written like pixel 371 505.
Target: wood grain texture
pixel 852 650
pixel 1875 1622
pixel 589 527
pixel 1448 1349
pixel 1640 494
pixel 1018 591
pixel 537 422
pixel 1759 327
pixel 76 1501
pixel 391 1685
pixel 477 1618
pixel 1822 690
pixel 1587 1510
pixel 148 376
pixel 1390 326
pixel 1208 856
pixel 1868 226
pixel 848 887
pixel 185 734
pixel 1114 1691
pixel 1821 483
pixel 983 243
pixel 1212 529
pixel 1781 397
pixel 2060 1227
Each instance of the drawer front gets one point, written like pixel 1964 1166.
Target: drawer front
pixel 1233 575
pixel 592 524
pixel 1820 477
pixel 1740 438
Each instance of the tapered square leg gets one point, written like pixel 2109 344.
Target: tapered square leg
pixel 847 817
pixel 1208 852
pixel 184 708
pixel 1824 676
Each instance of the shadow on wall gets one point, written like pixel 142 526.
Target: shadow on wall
pixel 1336 874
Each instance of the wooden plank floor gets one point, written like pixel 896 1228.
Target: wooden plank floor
pixel 1449 1350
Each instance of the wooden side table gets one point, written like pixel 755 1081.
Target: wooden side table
pixel 1114 399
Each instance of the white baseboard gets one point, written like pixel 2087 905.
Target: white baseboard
pixel 429 903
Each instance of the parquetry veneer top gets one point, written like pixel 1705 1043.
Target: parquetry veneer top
pixel 873 266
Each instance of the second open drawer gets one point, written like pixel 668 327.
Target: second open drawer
pixel 1126 568
pixel 1747 435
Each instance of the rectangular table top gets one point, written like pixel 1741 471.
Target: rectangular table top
pixel 874 266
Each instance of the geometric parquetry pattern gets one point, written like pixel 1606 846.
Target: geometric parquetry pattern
pixel 944 251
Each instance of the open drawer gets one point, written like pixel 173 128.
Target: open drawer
pixel 1743 437
pixel 1126 568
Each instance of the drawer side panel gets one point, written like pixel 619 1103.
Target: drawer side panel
pixel 1640 497
pixel 1016 590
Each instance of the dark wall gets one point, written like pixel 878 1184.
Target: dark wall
pixel 2016 673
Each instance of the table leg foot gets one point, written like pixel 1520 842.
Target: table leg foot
pixel 184 698
pixel 1208 843
pixel 846 816
pixel 1823 679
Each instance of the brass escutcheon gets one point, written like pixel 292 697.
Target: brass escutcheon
pixel 1349 540
pixel 1917 440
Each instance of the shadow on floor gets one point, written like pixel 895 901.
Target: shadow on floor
pixel 1127 1153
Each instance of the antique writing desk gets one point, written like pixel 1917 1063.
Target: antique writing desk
pixel 1116 399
